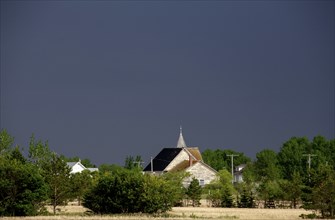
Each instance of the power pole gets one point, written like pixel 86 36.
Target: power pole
pixel 232 165
pixel 138 163
pixel 152 165
pixel 309 159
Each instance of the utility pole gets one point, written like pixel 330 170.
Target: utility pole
pixel 138 163
pixel 309 159
pixel 152 165
pixel 232 165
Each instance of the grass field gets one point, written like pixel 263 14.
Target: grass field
pixel 180 213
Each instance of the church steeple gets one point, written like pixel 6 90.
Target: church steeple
pixel 181 142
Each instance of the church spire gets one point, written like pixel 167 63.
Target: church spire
pixel 181 142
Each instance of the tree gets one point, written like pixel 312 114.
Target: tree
pixel 6 141
pixel 323 191
pixel 133 163
pixel 80 183
pixel 292 189
pixel 22 188
pixel 266 166
pixel 53 169
pixel 57 175
pixel 129 191
pixel 218 159
pixel 290 157
pixel 194 192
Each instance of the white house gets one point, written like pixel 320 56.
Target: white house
pixel 77 167
pixel 182 158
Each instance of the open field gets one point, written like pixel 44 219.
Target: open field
pixel 179 213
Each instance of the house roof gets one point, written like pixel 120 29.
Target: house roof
pixel 195 153
pixel 93 169
pixel 163 159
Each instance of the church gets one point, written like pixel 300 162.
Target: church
pixel 182 158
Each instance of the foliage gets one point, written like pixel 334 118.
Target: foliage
pixel 86 162
pixel 57 175
pixel 219 159
pixel 266 167
pixel 53 169
pixel 292 189
pixel 323 192
pixel 133 163
pixel 193 192
pixel 174 183
pixel 290 157
pixel 80 183
pixel 107 168
pixel 129 191
pixel 22 188
pixel 6 141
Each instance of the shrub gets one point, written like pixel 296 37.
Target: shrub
pixel 129 191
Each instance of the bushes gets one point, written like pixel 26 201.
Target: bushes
pixel 129 191
pixel 22 189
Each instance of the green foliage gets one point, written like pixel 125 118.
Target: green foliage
pixel 174 185
pixel 129 191
pixel 86 162
pixel 22 188
pixel 323 192
pixel 107 168
pixel 53 169
pixel 292 189
pixel 80 183
pixel 6 141
pixel 133 163
pixel 193 192
pixel 266 166
pixel 219 160
pixel 290 157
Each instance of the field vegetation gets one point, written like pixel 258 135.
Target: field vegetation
pixel 41 185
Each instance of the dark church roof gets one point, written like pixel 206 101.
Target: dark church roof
pixel 163 159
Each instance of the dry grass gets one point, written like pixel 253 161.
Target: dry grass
pixel 179 213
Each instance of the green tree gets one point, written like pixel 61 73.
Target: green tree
pixel 107 168
pixel 57 175
pixel 133 163
pixel 194 192
pixel 6 141
pixel 266 166
pixel 80 183
pixel 22 188
pixel 290 157
pixel 219 159
pixel 323 191
pixel 54 169
pixel 292 189
pixel 129 191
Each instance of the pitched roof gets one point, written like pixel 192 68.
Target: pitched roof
pixel 194 151
pixel 163 159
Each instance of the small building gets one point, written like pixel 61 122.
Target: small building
pixel 182 158
pixel 77 167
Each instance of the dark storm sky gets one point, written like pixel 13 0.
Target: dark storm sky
pixel 107 79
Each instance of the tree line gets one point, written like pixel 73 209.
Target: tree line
pixel 301 173
pixel 43 178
